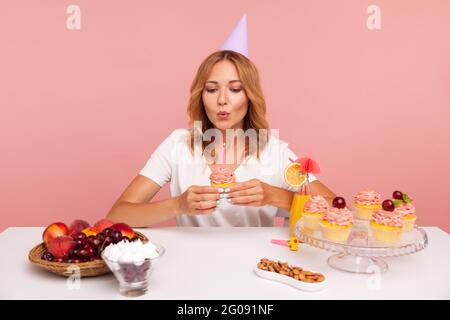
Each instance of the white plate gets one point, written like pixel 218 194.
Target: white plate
pixel 304 286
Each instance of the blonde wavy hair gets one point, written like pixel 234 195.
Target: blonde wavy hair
pixel 249 76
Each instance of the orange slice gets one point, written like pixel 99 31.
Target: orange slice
pixel 294 176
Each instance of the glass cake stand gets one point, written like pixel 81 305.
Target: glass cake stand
pixel 361 252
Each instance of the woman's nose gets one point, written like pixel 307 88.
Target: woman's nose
pixel 222 100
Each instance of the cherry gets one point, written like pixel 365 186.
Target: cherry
pixel 73 252
pixel 97 243
pixel 48 256
pixel 93 241
pixel 397 195
pixel 90 251
pixel 80 243
pixel 116 236
pixel 388 205
pixel 108 240
pixel 84 253
pixel 79 235
pixel 101 236
pixel 108 231
pixel 339 203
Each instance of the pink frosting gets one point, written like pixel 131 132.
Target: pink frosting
pixel 387 218
pixel 341 217
pixel 222 175
pixel 316 204
pixel 368 198
pixel 406 209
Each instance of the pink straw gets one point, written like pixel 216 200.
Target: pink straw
pixel 280 242
pixel 223 158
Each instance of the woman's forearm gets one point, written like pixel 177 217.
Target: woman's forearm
pixel 280 198
pixel 318 188
pixel 144 214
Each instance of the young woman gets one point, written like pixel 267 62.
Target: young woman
pixel 225 95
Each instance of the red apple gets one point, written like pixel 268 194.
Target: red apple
pixel 124 229
pixel 102 224
pixel 54 230
pixel 60 247
pixel 77 225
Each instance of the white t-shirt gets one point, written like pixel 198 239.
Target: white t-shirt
pixel 173 162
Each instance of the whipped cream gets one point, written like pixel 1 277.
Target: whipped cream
pixel 341 217
pixel 368 198
pixel 316 204
pixel 388 218
pixel 406 209
pixel 222 175
pixel 134 252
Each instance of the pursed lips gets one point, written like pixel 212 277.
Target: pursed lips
pixel 223 114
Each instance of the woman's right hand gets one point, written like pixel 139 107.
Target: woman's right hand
pixel 198 200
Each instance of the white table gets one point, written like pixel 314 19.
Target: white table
pixel 217 263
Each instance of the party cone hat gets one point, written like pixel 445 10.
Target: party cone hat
pixel 237 40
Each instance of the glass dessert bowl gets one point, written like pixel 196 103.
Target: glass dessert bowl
pixel 133 266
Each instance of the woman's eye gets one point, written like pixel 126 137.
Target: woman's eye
pixel 236 90
pixel 211 90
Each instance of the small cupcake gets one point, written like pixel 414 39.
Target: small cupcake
pixel 222 178
pixel 404 206
pixel 337 222
pixel 387 223
pixel 366 202
pixel 313 212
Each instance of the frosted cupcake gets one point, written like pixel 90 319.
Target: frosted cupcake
pixel 404 206
pixel 222 177
pixel 366 202
pixel 313 212
pixel 387 223
pixel 337 222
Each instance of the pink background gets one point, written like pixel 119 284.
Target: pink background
pixel 81 111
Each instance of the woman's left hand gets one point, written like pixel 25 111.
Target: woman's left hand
pixel 250 193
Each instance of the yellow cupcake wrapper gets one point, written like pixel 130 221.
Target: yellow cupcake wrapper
pixel 383 227
pixel 371 207
pixel 410 217
pixel 336 226
pixel 223 185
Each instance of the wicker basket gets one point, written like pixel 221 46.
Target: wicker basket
pixel 86 269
